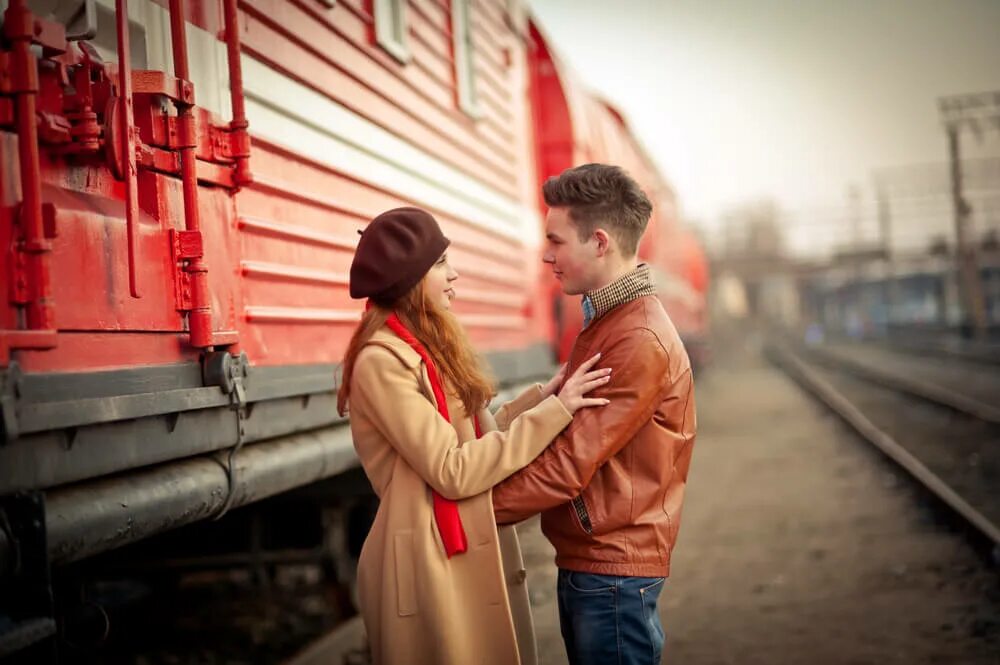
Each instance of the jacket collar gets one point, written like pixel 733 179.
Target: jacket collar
pixel 386 338
pixel 628 287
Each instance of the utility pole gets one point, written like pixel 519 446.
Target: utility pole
pixel 854 201
pixel 885 233
pixel 976 112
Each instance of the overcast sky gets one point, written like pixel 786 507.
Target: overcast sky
pixel 790 99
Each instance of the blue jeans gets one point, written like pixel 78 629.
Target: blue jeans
pixel 608 620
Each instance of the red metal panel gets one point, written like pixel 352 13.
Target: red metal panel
pixel 297 245
pixel 483 258
pixel 434 14
pixel 431 47
pixel 491 106
pixel 371 65
pixel 494 78
pixel 396 110
pixel 278 276
pixel 490 44
pixel 432 50
pixel 341 31
pixel 222 255
pixel 91 244
pixel 352 20
pixel 291 177
pixel 93 351
pixel 91 278
pixel 494 14
pixel 360 7
pixel 553 129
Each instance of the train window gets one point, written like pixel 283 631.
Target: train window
pixel 465 69
pixel 390 28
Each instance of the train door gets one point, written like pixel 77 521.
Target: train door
pixel 135 201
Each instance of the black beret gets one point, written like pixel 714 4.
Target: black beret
pixel 394 253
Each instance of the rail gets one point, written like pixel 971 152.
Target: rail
pixel 837 402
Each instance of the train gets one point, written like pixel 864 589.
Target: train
pixel 177 228
pixel 916 299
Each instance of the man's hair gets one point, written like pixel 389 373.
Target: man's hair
pixel 601 195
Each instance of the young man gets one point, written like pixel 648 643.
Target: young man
pixel 610 487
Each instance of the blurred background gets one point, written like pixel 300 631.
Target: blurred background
pixel 840 161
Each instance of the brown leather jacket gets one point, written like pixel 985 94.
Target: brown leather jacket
pixel 611 485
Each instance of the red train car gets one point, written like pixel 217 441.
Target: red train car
pixel 177 228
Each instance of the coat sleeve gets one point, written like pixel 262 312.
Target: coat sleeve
pixel 639 374
pixel 530 398
pixel 390 397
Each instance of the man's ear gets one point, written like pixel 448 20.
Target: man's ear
pixel 603 242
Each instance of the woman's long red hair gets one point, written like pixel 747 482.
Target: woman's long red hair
pixel 443 337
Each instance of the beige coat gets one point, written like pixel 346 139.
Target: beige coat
pixel 419 606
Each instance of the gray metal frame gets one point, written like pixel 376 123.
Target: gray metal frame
pixel 166 435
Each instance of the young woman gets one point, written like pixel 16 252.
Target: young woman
pixel 436 581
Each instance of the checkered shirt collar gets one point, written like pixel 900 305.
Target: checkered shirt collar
pixel 626 288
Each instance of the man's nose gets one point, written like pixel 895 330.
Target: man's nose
pixel 548 257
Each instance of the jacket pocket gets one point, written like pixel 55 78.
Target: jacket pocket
pixel 583 515
pixel 406 591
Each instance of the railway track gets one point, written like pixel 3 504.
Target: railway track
pixel 979 353
pixel 965 386
pixel 945 437
pixel 939 343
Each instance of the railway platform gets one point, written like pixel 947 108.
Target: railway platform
pixel 801 544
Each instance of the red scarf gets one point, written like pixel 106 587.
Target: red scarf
pixel 446 515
